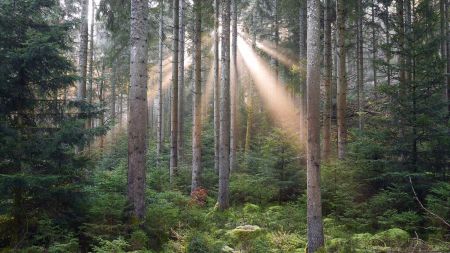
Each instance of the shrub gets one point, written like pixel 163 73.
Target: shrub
pixel 138 240
pixel 250 188
pixel 115 246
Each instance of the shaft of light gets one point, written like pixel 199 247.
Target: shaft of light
pixel 280 104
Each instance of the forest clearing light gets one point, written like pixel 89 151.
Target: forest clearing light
pixel 278 101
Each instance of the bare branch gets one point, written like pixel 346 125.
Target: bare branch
pixel 424 208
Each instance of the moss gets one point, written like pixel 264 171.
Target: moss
pixel 394 237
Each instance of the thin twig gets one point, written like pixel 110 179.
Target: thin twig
pixel 424 208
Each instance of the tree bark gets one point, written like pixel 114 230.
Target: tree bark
pixel 216 87
pixel 120 109
pixel 248 131
pixel 360 62
pixel 328 68
pixel 181 83
pixel 234 83
pixel 314 203
pixel 401 42
pixel 341 80
pixel 137 122
pixel 159 99
pixel 447 50
pixel 224 139
pixel 113 90
pixel 197 105
pixel 174 99
pixel 374 51
pixel 303 51
pixel 388 41
pixel 101 100
pixel 91 61
pixel 82 56
pixel 276 38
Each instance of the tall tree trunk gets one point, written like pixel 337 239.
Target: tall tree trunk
pixel 159 99
pixel 91 61
pixel 360 62
pixel 82 55
pixel 314 203
pixel 224 139
pixel 401 42
pixel 374 51
pixel 113 90
pixel 276 38
pixel 443 10
pixel 447 50
pixel 328 68
pixel 303 51
pixel 174 98
pixel 137 122
pixel 181 83
pixel 233 93
pixel 388 42
pixel 101 100
pixel 250 106
pixel 407 39
pixel 248 131
pixel 216 87
pixel 120 109
pixel 197 105
pixel 342 80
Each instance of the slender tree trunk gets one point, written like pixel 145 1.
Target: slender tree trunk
pixel 159 110
pixel 276 38
pixel 374 50
pixel 174 98
pixel 234 84
pixel 181 83
pixel 91 61
pixel 342 80
pixel 388 42
pixel 113 90
pixel 137 122
pixel 447 49
pixel 328 68
pixel 120 109
pixel 443 9
pixel 303 51
pixel 224 139
pixel 82 56
pixel 407 39
pixel 216 86
pixel 248 131
pixel 197 105
pixel 250 107
pixel 401 41
pixel 101 100
pixel 314 203
pixel 360 62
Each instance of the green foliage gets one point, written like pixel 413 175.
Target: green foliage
pixel 254 189
pixel 115 246
pixel 138 240
pixel 41 177
pixel 203 243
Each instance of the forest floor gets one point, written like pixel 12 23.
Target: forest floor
pixel 177 222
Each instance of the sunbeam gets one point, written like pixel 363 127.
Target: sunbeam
pixel 207 94
pixel 284 56
pixel 278 101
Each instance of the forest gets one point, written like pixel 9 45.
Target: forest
pixel 239 126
